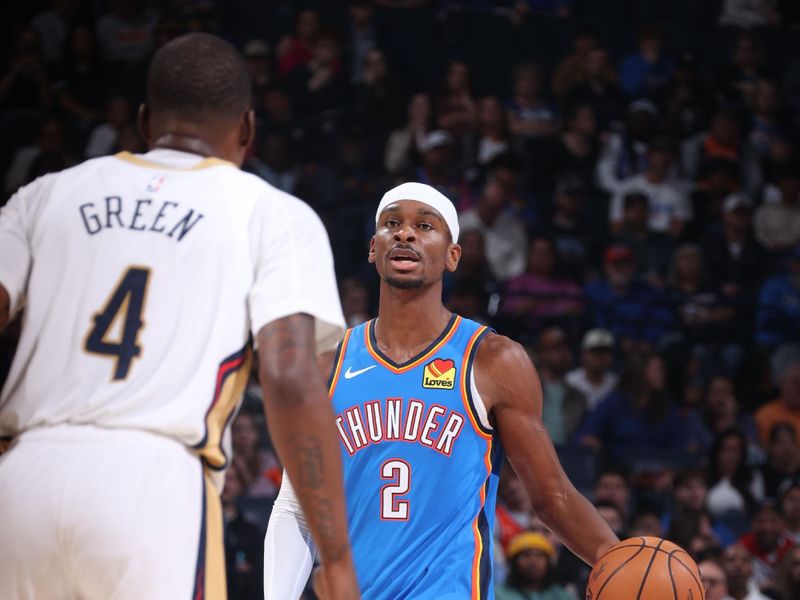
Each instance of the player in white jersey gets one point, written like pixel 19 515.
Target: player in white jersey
pixel 142 279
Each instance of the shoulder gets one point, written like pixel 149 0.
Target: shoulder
pixel 502 363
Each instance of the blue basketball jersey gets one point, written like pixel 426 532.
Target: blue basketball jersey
pixel 420 468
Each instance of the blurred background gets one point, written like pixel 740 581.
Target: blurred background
pixel 628 180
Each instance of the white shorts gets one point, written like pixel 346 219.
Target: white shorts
pixel 107 514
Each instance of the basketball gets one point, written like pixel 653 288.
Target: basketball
pixel 645 568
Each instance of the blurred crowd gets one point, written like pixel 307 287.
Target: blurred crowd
pixel 627 176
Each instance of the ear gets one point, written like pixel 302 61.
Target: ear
pixel 247 129
pixel 453 256
pixel 143 123
pixel 371 255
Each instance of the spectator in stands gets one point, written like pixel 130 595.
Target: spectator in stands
pixel 669 208
pixel 735 260
pixel 564 407
pixel 786 407
pixel 626 154
pixel 256 53
pixel 647 521
pixel 787 580
pixel 355 301
pixel 126 33
pixel 707 319
pixel 530 116
pixel 647 72
pixel 739 569
pixel 53 27
pixel 491 137
pixel 244 546
pixel 723 140
pixel 404 143
pixel 48 155
pixel 789 502
pixel 378 102
pixel 257 469
pixel 455 107
pixel 651 249
pixel 437 169
pixel 611 485
pixel 739 80
pixel 570 70
pixel 635 312
pixel 24 85
pixel 783 458
pixel 714 578
pixel 685 104
pixel 575 150
pixel 297 50
pixel 570 226
pixel 595 378
pixel 317 86
pixel 599 89
pixel 747 14
pixel 767 543
pixel 545 8
pixel 777 220
pixel 530 575
pixel 277 113
pixel 722 411
pixel 275 162
pixel 363 37
pixel 513 506
pixel 769 132
pixel 734 488
pixel 81 92
pixel 505 238
pixel 104 139
pixel 540 296
pixel 718 180
pixel 638 417
pixel 473 268
pixel 689 516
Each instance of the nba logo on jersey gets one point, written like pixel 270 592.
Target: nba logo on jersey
pixel 439 374
pixel 155 183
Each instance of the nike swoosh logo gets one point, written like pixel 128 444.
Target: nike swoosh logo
pixel 350 374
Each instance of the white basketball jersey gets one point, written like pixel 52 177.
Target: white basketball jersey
pixel 142 278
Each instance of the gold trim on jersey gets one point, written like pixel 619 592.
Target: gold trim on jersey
pixel 215 584
pixel 230 392
pixel 211 161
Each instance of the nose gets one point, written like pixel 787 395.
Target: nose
pixel 404 233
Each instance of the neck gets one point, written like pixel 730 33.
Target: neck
pixel 409 320
pixel 184 143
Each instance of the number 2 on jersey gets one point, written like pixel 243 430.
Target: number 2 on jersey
pixel 399 472
pixel 126 305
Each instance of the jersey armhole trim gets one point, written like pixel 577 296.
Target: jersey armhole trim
pixel 469 391
pixel 336 369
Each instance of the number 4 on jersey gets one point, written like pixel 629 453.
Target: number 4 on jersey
pixel 126 305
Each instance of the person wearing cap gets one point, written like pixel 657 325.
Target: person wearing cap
pixel 256 53
pixel 437 149
pixel 669 207
pixel 651 249
pixel 777 223
pixel 594 378
pixel 531 556
pixel 423 398
pixel 634 311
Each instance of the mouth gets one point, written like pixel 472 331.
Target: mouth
pixel 403 259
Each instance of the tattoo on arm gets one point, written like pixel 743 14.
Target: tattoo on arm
pixel 309 459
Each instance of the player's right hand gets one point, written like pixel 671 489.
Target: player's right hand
pixel 335 582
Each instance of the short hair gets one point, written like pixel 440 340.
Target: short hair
pixel 684 476
pixel 199 73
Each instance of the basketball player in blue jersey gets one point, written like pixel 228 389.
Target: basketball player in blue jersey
pixel 426 404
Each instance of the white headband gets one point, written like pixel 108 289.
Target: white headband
pixel 427 195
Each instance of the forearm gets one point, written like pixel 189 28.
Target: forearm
pixel 577 523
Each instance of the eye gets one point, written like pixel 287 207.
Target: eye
pixel 392 223
pixel 425 226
